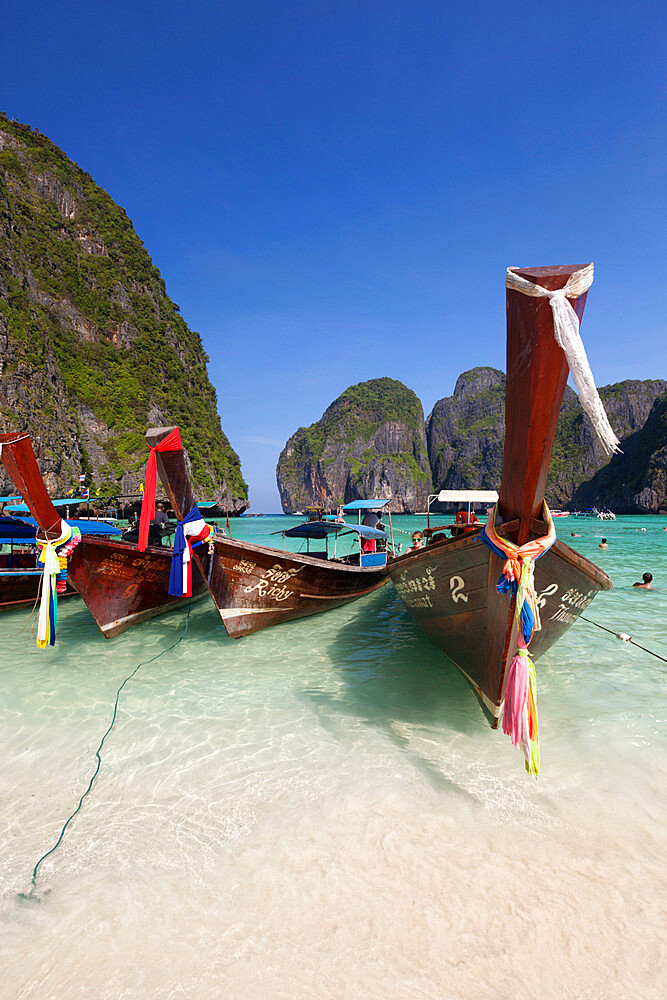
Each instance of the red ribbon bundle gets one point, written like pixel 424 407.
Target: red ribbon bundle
pixel 172 442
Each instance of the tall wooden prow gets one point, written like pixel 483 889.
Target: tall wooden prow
pixel 173 472
pixel 537 372
pixel 19 460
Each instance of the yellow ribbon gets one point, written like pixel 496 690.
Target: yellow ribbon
pixel 49 557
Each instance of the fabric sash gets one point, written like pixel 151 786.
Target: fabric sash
pixel 517 577
pixel 48 606
pixel 172 442
pixel 566 332
pixel 190 532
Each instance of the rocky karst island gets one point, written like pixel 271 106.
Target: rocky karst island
pixel 92 348
pixel 373 441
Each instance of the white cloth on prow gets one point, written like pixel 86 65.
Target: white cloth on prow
pixel 566 331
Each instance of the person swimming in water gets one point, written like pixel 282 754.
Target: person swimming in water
pixel 647 579
pixel 604 544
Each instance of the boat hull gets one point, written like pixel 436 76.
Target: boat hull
pixel 449 588
pixel 21 587
pixel 254 586
pixel 122 586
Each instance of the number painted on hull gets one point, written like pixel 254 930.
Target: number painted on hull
pixel 547 592
pixel 456 585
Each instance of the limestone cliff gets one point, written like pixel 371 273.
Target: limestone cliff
pixel 370 442
pixel 577 456
pixel 636 481
pixel 466 433
pixel 92 349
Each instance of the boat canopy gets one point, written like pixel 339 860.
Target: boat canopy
pixel 21 508
pixel 465 496
pixel 22 530
pixel 85 527
pixel 366 504
pixel 322 529
pixel 13 529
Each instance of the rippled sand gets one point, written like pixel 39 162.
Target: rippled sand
pixel 321 811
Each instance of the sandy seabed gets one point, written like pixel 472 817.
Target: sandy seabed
pixel 321 812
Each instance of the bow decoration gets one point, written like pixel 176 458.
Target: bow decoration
pixel 566 332
pixel 48 605
pixel 517 578
pixel 172 442
pixel 190 532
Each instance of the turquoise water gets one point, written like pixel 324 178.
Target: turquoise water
pixel 320 810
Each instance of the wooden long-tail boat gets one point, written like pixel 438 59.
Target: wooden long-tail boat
pixel 450 586
pixel 120 585
pixel 256 586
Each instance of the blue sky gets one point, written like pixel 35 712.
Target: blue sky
pixel 333 190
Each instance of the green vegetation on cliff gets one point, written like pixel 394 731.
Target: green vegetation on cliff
pixel 358 412
pixel 371 438
pixel 636 479
pixel 80 296
pixel 466 436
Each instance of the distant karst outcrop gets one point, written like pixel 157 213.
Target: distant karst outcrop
pixel 466 431
pixel 636 481
pixel 92 349
pixel 578 458
pixel 370 442
pixel 466 434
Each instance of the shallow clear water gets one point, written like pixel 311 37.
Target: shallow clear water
pixel 320 810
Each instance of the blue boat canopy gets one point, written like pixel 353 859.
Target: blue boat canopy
pixel 85 527
pixel 321 529
pixel 21 508
pixel 13 529
pixel 366 504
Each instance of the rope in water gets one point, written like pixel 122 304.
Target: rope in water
pixel 624 637
pixel 129 677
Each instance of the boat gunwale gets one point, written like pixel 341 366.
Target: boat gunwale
pixel 328 564
pixel 565 551
pixel 114 542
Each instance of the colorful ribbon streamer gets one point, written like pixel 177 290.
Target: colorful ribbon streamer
pixel 517 578
pixel 48 607
pixel 190 532
pixel 172 442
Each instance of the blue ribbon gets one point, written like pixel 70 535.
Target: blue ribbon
pixel 180 544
